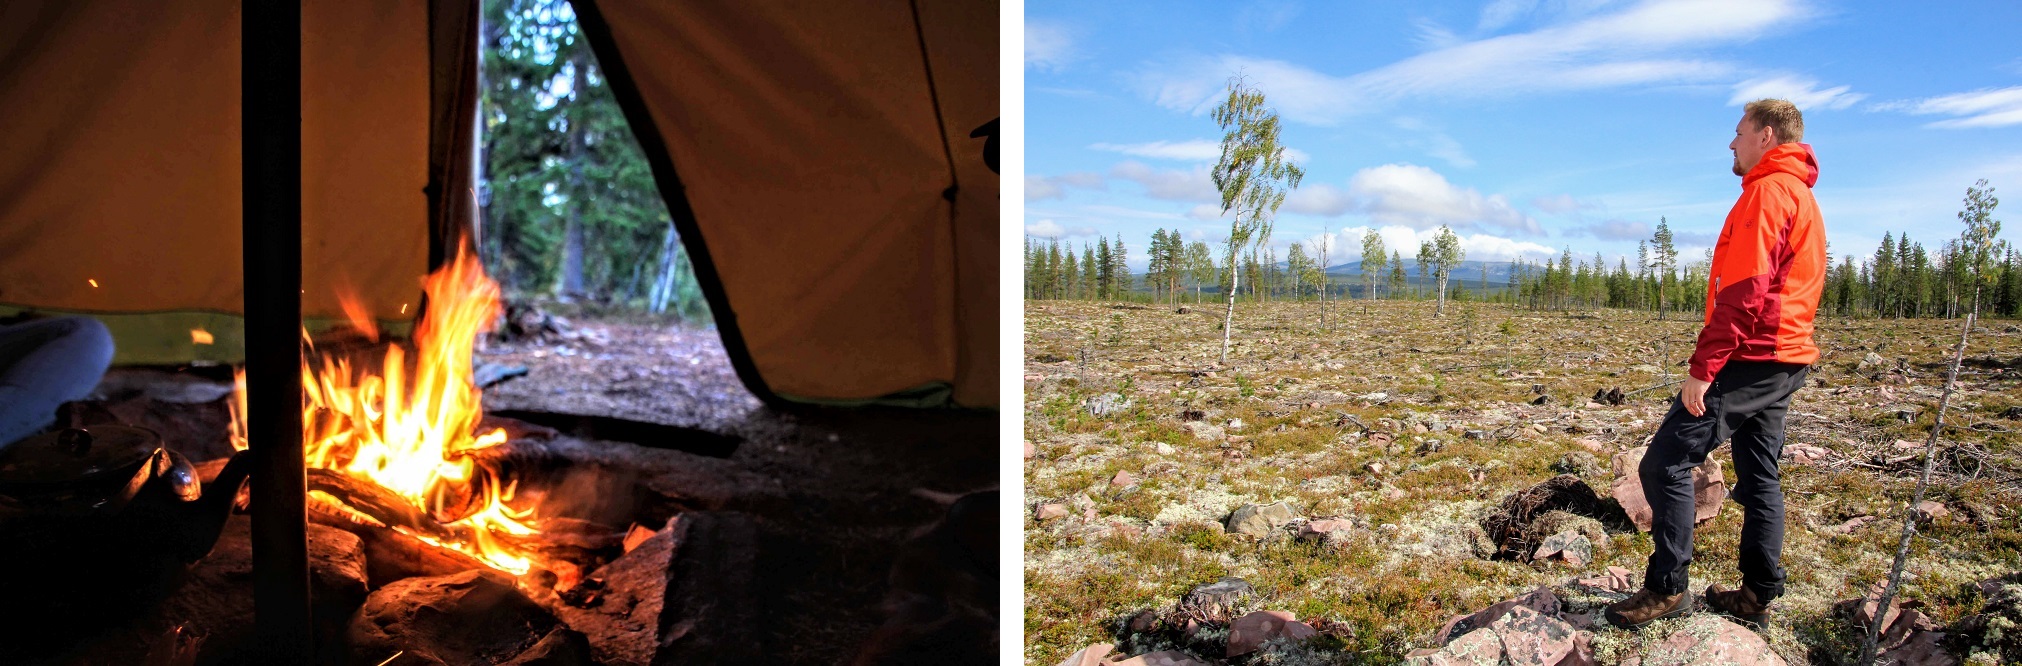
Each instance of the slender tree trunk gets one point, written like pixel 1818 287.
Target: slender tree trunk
pixel 1923 481
pixel 1229 317
pixel 571 285
pixel 1439 310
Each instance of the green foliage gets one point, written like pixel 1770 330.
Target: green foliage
pixel 570 206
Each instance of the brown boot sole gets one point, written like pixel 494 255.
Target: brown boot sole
pixel 1684 608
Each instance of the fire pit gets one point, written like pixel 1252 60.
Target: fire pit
pixel 438 534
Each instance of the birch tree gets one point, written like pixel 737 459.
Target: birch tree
pixel 1439 256
pixel 1374 258
pixel 1252 177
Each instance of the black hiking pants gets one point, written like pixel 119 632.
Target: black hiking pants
pixel 1747 402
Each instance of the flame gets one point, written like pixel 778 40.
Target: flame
pixel 238 409
pixel 201 337
pixel 407 424
pixel 361 318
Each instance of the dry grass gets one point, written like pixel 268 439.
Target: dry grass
pixel 1299 390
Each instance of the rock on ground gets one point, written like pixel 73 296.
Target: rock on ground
pixel 1572 547
pixel 1089 656
pixel 1709 640
pixel 1709 488
pixel 1163 658
pixel 1249 632
pixel 1260 519
pixel 475 617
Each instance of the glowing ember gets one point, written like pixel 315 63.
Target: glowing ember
pixel 201 337
pixel 408 424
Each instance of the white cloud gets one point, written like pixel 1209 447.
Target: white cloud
pixel 1799 90
pixel 1405 241
pixel 1318 199
pixel 1637 46
pixel 1051 229
pixel 1206 212
pixel 1419 198
pixel 1039 188
pixel 1168 184
pixel 1048 45
pixel 1990 107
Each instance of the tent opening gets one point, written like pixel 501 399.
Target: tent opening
pixel 605 316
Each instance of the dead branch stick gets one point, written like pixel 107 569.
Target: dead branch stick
pixel 1351 417
pixel 1910 509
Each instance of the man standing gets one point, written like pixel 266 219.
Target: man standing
pixel 1768 272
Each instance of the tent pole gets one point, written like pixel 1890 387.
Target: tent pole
pixel 271 94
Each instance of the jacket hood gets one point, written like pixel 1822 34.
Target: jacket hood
pixel 1792 158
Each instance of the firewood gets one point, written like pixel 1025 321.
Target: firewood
pixel 391 555
pixel 376 501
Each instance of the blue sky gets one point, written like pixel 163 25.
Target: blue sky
pixel 1527 126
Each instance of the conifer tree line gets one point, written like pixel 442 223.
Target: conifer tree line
pixel 1901 278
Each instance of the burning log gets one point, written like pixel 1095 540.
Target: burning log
pixel 391 555
pixel 377 502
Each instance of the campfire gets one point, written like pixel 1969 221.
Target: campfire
pixel 393 444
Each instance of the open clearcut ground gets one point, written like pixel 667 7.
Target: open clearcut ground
pixel 1132 388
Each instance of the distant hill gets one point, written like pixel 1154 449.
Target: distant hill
pixel 1498 271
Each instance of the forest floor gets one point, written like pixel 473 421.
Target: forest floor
pixel 833 492
pixel 1451 430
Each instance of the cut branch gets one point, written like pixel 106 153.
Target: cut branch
pixel 1923 481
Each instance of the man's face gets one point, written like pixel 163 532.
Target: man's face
pixel 1751 140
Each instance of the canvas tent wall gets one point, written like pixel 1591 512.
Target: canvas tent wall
pixel 817 157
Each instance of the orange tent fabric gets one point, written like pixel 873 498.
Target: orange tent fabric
pixel 125 114
pixel 824 149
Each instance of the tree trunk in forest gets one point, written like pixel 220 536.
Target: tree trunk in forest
pixel 570 284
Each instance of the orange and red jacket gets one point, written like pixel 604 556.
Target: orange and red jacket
pixel 1768 268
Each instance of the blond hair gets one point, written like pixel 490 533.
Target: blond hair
pixel 1778 115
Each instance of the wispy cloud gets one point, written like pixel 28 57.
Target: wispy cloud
pixel 1040 188
pixel 1990 107
pixel 1049 45
pixel 1435 143
pixel 1190 150
pixel 1615 229
pixel 1557 205
pixel 1799 90
pixel 1649 43
pixel 1169 184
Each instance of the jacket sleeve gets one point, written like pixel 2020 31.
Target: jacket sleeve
pixel 1742 275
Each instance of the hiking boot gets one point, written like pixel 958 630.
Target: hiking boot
pixel 1645 607
pixel 1741 604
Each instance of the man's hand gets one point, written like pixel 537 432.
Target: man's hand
pixel 1694 396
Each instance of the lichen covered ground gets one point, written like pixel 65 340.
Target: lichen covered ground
pixel 1138 389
